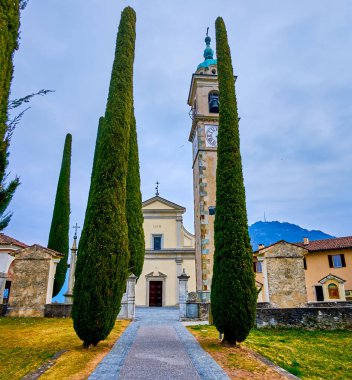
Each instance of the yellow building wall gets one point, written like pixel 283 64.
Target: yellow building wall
pixel 167 267
pixel 165 227
pixel 318 268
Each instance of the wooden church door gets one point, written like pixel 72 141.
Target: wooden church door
pixel 155 293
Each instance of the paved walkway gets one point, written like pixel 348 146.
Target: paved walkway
pixel 156 346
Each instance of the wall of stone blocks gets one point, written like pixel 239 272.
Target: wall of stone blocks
pixel 58 310
pixel 29 289
pixel 330 318
pixel 284 271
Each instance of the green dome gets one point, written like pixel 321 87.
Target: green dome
pixel 207 63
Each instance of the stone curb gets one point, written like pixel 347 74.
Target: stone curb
pixel 43 368
pixel 204 364
pixel 110 367
pixel 273 366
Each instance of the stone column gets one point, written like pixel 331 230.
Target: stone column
pixel 265 291
pixel 131 296
pixel 183 293
pixel 178 231
pixel 179 262
pixel 71 279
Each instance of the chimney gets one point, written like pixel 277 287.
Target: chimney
pixel 261 246
pixel 305 241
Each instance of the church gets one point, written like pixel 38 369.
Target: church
pixel 169 250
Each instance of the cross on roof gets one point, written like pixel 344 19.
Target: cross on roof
pixel 76 227
pixel 157 188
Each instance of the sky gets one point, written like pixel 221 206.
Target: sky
pixel 294 90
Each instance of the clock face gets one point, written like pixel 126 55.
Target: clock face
pixel 211 136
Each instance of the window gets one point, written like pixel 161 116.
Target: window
pixel 6 293
pixel 348 295
pixel 257 267
pixel 333 291
pixel 304 263
pixel 337 261
pixel 157 242
pixel 212 210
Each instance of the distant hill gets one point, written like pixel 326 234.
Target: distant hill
pixel 270 232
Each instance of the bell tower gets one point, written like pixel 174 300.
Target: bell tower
pixel 203 99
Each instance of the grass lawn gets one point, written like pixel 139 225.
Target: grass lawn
pixel 27 343
pixel 306 354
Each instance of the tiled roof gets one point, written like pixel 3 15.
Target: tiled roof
pixel 162 200
pixel 51 251
pixel 7 240
pixel 328 244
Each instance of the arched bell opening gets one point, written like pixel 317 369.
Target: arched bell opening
pixel 213 99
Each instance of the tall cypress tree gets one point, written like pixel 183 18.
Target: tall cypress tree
pixel 134 206
pixel 60 223
pixel 103 254
pixel 9 32
pixel 233 291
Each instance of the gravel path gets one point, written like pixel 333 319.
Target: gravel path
pixel 156 346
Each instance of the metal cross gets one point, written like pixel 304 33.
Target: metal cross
pixel 157 188
pixel 76 227
pixel 207 30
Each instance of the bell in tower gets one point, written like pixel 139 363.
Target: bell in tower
pixel 213 102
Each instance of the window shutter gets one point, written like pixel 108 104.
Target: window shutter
pixel 254 267
pixel 331 265
pixel 343 262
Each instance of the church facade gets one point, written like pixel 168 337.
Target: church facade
pixel 169 250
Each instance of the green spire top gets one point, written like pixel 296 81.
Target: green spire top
pixel 208 52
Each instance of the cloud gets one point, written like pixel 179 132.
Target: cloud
pixel 294 94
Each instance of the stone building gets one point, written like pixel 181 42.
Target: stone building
pixel 34 270
pixel 8 245
pixel 169 250
pixel 204 101
pixel 26 277
pixel 317 271
pixel 282 280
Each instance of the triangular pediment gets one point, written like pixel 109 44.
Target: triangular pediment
pixel 159 203
pixel 156 274
pixel 331 276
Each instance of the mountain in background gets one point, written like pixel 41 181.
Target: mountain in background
pixel 270 232
pixel 260 233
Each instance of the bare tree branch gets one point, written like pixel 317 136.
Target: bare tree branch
pixel 13 124
pixel 26 99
